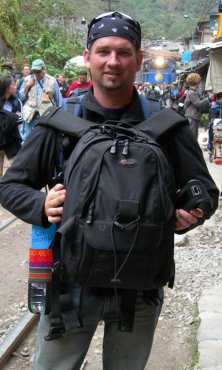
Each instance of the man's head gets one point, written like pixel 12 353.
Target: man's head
pixel 26 70
pixel 83 77
pixel 113 55
pixel 61 79
pixel 38 68
pixel 193 79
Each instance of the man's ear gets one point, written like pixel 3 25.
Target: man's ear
pixel 86 56
pixel 139 58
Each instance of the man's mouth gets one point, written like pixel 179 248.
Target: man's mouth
pixel 112 73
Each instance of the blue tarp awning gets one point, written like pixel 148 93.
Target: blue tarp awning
pixel 186 56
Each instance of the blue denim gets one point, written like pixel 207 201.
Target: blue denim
pixel 26 128
pixel 121 350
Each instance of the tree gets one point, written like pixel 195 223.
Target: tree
pixel 9 16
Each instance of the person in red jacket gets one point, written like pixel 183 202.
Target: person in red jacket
pixel 81 83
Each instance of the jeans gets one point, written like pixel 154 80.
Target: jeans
pixel 26 128
pixel 193 124
pixel 121 350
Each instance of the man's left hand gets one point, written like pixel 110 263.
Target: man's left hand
pixel 186 219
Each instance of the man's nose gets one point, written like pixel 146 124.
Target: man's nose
pixel 113 58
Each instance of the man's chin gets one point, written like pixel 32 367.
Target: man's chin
pixel 113 86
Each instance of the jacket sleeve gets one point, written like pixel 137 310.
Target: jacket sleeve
pixel 195 99
pixel 71 87
pixel 188 163
pixel 21 187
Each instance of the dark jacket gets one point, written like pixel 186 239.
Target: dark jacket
pixel 194 103
pixel 10 139
pixel 33 168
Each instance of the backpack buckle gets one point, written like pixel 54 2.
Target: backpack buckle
pixel 57 268
pixel 57 329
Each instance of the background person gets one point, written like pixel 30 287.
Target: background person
pixel 10 140
pixel 25 72
pixel 81 83
pixel 194 102
pixel 153 93
pixel 63 86
pixel 40 91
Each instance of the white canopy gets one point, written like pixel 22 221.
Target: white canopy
pixel 78 60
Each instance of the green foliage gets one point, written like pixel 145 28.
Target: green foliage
pixel 53 51
pixel 37 40
pixel 24 28
pixel 204 119
pixel 9 15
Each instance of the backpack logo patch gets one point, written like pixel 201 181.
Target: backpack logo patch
pixel 128 162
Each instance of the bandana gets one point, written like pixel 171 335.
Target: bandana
pixel 115 26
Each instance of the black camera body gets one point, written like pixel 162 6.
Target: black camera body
pixel 193 195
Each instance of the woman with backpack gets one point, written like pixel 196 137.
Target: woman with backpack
pixel 194 102
pixel 10 118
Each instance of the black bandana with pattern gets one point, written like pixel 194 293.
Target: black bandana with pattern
pixel 114 26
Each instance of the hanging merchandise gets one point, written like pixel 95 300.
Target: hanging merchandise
pixel 217 141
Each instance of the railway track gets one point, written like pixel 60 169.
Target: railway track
pixel 7 222
pixel 15 337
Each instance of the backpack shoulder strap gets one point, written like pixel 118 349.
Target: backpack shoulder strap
pixel 163 122
pixel 147 111
pixel 73 105
pixel 65 122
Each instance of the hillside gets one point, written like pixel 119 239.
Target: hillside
pixel 159 18
pixel 24 29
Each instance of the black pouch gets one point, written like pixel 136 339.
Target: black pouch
pixel 193 195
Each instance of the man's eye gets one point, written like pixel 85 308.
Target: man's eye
pixel 103 52
pixel 124 53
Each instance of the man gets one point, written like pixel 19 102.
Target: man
pixel 80 83
pixel 174 95
pixel 113 57
pixel 39 91
pixel 194 102
pixel 153 93
pixel 25 72
pixel 63 86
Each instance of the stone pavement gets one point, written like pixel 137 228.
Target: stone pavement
pixel 210 331
pixel 209 335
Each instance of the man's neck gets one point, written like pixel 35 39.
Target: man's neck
pixel 110 99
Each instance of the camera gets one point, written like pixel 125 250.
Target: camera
pixel 193 195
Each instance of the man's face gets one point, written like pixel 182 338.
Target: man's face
pixel 26 71
pixel 61 80
pixel 39 74
pixel 113 62
pixel 83 79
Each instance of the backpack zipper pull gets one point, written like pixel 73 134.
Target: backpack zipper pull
pixel 113 147
pixel 126 147
pixel 90 213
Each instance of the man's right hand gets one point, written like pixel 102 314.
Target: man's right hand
pixel 29 84
pixel 54 203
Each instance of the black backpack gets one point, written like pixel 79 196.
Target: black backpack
pixel 117 228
